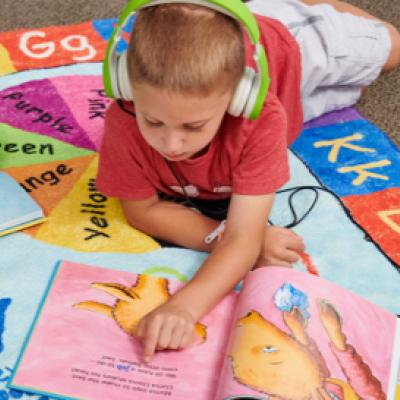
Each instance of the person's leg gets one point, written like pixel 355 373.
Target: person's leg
pixel 343 49
pixel 394 57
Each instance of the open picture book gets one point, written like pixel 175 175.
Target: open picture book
pixel 286 335
pixel 18 210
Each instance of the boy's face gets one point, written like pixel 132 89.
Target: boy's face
pixel 178 127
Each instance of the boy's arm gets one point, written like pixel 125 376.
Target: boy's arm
pixel 233 256
pixel 171 325
pixel 170 221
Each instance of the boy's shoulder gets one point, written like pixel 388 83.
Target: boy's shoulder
pixel 120 123
pixel 121 110
pixel 276 119
pixel 273 118
pixel 120 118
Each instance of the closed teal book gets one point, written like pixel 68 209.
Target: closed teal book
pixel 18 209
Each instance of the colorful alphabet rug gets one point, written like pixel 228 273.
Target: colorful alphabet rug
pixel 343 195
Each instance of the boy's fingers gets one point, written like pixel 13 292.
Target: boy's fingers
pixel 292 235
pixel 280 263
pixel 276 262
pixel 140 329
pixel 295 243
pixel 165 336
pixel 178 336
pixel 188 338
pixel 284 259
pixel 151 339
pixel 291 257
pixel 299 246
pixel 176 341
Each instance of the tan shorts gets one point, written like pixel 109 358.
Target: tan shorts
pixel 341 53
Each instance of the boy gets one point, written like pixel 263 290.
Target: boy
pixel 184 62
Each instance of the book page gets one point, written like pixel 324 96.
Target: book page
pixel 397 351
pixel 298 336
pixel 80 348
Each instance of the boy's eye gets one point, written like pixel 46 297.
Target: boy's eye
pixel 153 123
pixel 158 124
pixel 196 128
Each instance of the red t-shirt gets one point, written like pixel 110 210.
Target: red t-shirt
pixel 245 156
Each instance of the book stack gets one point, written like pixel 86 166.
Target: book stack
pixel 18 210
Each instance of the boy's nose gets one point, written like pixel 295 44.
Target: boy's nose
pixel 173 143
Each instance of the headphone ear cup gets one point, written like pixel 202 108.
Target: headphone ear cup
pixel 251 101
pixel 124 87
pixel 242 92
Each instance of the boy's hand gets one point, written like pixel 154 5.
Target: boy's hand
pixel 280 247
pixel 169 326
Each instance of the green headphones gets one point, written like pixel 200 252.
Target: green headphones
pixel 251 91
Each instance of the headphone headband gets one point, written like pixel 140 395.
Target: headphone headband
pixel 233 8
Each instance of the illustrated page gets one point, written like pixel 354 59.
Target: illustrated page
pixel 297 336
pixel 82 347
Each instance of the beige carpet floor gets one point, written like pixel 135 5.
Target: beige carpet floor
pixel 380 104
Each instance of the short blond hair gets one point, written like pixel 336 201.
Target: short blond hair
pixel 187 49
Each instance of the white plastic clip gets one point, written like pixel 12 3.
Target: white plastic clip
pixel 215 233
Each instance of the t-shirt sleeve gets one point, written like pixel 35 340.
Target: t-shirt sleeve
pixel 263 167
pixel 120 173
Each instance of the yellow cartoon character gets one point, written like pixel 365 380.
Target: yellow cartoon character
pixel 269 360
pixel 289 366
pixel 134 302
